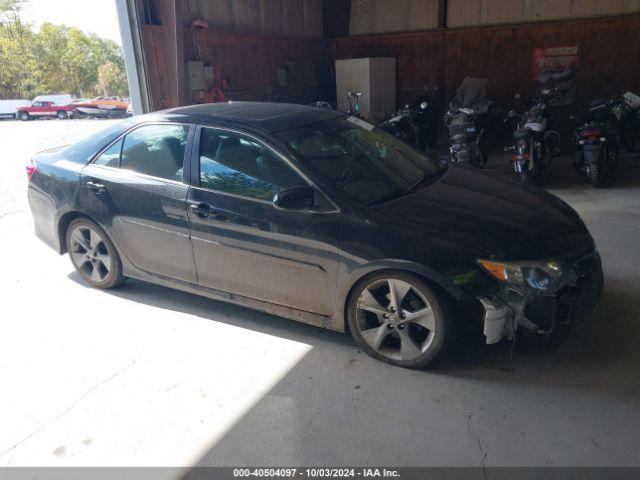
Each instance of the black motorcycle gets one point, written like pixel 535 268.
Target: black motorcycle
pixel 534 144
pixel 414 124
pixel 469 113
pixel 598 139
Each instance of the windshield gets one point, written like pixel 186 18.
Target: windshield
pixel 471 93
pixel 362 161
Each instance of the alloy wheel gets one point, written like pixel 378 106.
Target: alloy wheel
pixel 395 319
pixel 90 254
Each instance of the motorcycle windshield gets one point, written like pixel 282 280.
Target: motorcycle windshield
pixel 472 93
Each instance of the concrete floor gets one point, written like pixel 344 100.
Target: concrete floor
pixel 149 376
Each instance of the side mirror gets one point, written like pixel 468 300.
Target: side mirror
pixel 295 198
pixel 512 113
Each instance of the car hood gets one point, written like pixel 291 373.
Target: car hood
pixel 468 211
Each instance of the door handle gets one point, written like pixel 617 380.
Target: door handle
pixel 200 209
pixel 96 187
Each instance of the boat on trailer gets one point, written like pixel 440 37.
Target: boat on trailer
pixel 103 107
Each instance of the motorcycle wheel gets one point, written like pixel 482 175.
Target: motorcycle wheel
pixel 527 177
pixel 594 175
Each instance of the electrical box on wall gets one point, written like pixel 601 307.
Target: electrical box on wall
pixel 375 78
pixel 195 75
pixel 208 73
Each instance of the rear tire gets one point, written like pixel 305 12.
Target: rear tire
pixel 62 115
pixel 93 255
pixel 24 116
pixel 594 175
pixel 411 334
pixel 527 178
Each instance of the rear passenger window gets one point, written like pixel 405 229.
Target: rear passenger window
pixel 111 156
pixel 156 150
pixel 234 164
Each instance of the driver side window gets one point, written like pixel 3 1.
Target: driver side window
pixel 235 164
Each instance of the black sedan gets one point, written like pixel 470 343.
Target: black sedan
pixel 316 216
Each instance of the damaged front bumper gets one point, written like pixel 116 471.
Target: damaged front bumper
pixel 509 310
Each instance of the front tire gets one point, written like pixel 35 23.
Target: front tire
pixel 93 255
pixel 397 318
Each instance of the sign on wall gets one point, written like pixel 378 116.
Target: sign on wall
pixel 556 68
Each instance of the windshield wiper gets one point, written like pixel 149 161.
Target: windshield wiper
pixel 426 178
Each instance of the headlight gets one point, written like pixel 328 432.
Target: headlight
pixel 533 276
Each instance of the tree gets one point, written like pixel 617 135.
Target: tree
pixel 18 72
pixel 70 59
pixel 56 59
pixel 111 80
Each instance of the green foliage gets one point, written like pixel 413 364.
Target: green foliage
pixel 111 80
pixel 56 59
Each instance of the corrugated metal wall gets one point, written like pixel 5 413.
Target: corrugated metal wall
pixel 380 16
pixel 385 16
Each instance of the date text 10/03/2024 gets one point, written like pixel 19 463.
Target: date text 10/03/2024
pixel 316 472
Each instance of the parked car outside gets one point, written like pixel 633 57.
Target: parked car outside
pixel 317 216
pixel 8 107
pixel 40 109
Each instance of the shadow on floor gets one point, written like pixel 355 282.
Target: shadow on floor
pixel 574 400
pixel 607 339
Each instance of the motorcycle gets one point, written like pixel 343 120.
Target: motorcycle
pixel 469 113
pixel 598 139
pixel 533 143
pixel 414 124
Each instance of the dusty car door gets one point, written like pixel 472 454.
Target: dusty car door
pixel 135 190
pixel 245 246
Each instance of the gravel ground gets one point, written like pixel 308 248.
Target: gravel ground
pixel 20 140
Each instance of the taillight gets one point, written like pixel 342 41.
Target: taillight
pixel 31 169
pixel 590 133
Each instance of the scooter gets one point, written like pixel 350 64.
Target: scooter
pixel 353 98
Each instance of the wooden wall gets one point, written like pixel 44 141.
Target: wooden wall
pixel 159 84
pixel 302 18
pixel 248 61
pixel 608 48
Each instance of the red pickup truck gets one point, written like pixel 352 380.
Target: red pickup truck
pixel 45 109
